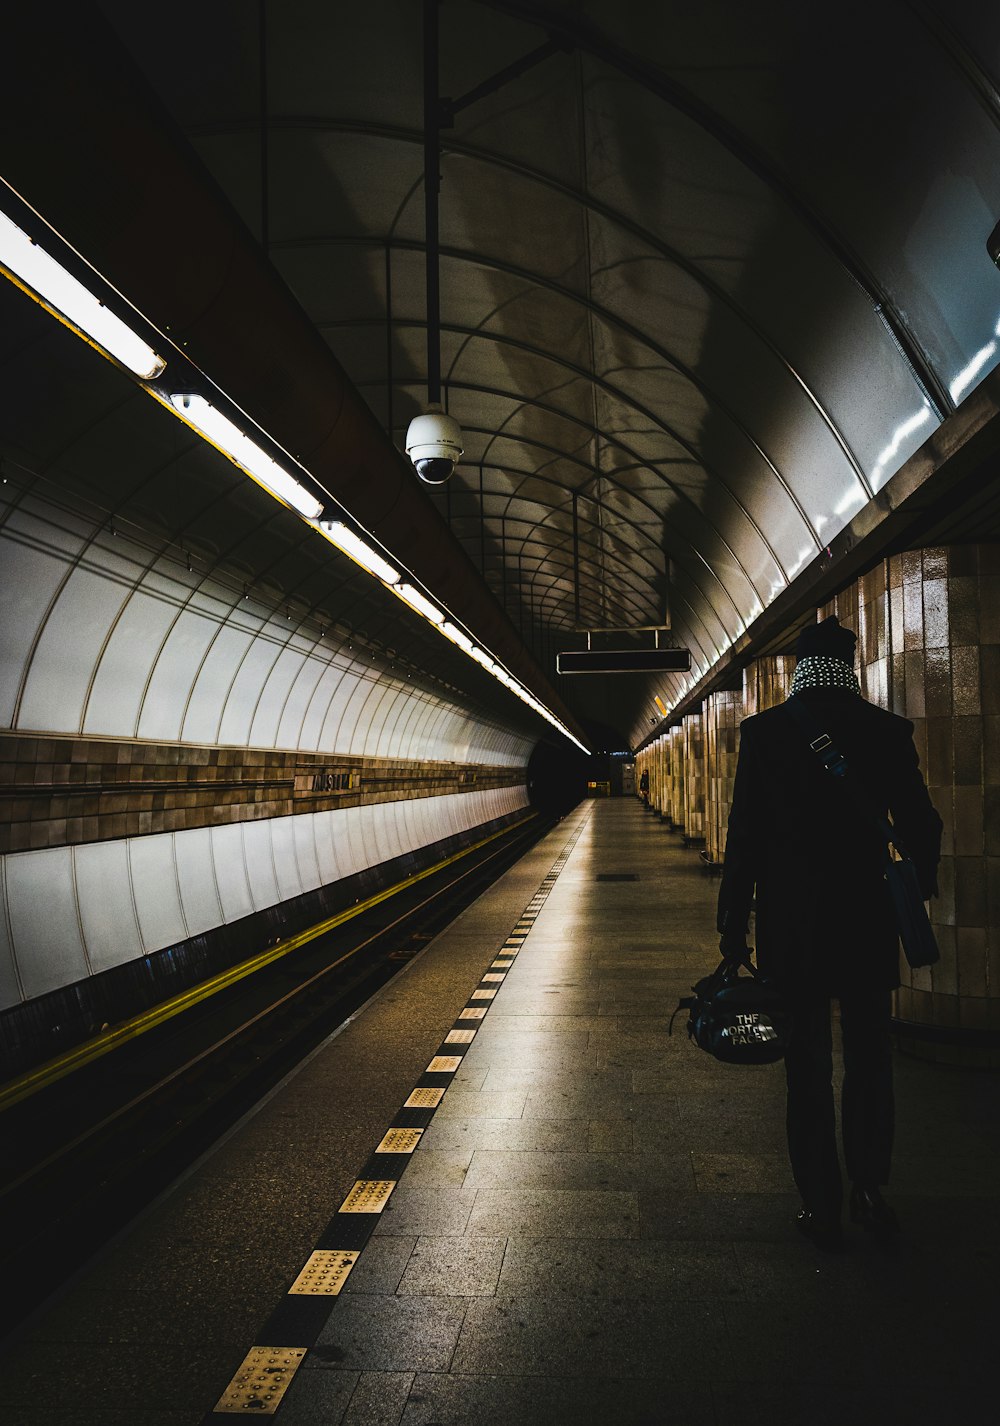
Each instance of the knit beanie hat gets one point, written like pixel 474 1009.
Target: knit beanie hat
pixel 828 638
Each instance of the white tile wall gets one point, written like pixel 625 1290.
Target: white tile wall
pixel 10 989
pixel 110 926
pixel 44 921
pixel 196 875
pixel 77 910
pixel 260 864
pixel 69 646
pixel 155 891
pixel 126 662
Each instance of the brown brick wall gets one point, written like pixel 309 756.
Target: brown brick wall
pixel 55 791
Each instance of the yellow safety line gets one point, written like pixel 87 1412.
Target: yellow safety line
pixel 80 1055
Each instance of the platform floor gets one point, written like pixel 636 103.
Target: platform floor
pixel 596 1224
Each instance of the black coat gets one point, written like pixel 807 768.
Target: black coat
pixel 797 840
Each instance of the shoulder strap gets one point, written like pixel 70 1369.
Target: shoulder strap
pixel 837 765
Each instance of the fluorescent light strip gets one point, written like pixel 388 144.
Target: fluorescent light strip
pixel 61 292
pixel 457 637
pixel 417 601
pixel 232 442
pixel 355 548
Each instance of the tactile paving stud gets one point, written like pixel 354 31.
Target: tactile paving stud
pixel 324 1273
pixel 399 1141
pixel 492 975
pixel 460 1037
pixel 473 1012
pixel 369 1195
pixel 444 1064
pixel 262 1380
pixel 483 994
pixel 424 1099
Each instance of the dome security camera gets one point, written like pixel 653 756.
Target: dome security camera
pixel 434 445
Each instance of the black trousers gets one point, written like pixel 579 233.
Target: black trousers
pixel 867 1112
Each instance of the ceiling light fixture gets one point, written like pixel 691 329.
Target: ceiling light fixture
pixel 32 269
pixel 456 636
pixel 419 602
pixel 355 548
pixel 209 422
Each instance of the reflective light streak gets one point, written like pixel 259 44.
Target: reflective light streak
pixel 886 457
pixel 968 374
pixel 801 560
pixel 232 442
pixel 48 280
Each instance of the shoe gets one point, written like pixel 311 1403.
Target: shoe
pixel 825 1233
pixel 869 1209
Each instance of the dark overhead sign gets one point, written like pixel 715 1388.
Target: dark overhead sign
pixel 624 661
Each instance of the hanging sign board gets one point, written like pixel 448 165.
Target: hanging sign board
pixel 624 661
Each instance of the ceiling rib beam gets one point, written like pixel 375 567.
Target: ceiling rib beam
pixel 604 314
pixel 681 494
pixel 581 34
pixel 463 149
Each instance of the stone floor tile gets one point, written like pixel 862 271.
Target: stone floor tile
pixel 497 1168
pixel 544 1134
pixel 491 1400
pixel 318 1398
pixel 464 1266
pixel 390 1334
pixel 519 1335
pixel 627 1270
pixel 768 1217
pixel 609 1136
pixel 743 1173
pixel 381 1265
pixel 438 1168
pixel 417 1211
pixel 555 1213
pixel 379 1399
pixel 463 1103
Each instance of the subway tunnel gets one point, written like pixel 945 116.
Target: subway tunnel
pixel 712 295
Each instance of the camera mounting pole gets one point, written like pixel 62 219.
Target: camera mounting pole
pixel 440 114
pixel 432 194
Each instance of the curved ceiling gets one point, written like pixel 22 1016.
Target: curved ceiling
pixel 709 276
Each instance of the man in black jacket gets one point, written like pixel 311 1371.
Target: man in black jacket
pixel 825 928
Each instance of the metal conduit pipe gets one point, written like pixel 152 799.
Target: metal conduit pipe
pixel 87 144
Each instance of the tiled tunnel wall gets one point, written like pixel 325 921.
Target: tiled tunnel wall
pixel 176 755
pixel 928 625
